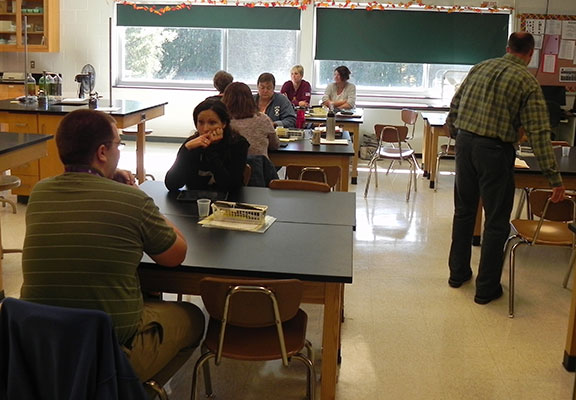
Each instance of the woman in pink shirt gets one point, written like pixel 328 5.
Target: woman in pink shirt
pixel 297 89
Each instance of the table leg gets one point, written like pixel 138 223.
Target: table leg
pixel 432 154
pixel 570 350
pixel 354 130
pixel 331 339
pixel 140 149
pixel 426 149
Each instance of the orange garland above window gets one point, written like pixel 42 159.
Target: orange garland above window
pixel 302 4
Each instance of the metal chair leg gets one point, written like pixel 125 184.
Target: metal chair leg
pixel 311 375
pixel 512 272
pixel 7 201
pixel 202 361
pixel 159 390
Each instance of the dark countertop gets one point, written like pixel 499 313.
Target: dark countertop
pixel 126 107
pixel 10 141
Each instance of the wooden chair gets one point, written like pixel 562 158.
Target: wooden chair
pixel 254 320
pixel 551 229
pixel 392 146
pixel 326 174
pixel 409 117
pixel 290 184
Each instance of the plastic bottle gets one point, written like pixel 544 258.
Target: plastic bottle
pixel 58 86
pixel 50 87
pixel 330 126
pixel 42 84
pixel 30 85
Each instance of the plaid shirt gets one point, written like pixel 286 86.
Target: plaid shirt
pixel 497 98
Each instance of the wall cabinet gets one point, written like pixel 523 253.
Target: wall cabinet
pixel 43 25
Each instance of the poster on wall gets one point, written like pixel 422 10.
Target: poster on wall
pixel 569 30
pixel 567 74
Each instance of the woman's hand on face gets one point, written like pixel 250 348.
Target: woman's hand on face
pixel 206 139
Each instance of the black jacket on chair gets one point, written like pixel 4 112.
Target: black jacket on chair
pixel 57 353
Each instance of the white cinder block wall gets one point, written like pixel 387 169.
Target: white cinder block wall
pixel 84 40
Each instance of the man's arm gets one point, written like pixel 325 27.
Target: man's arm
pixel 175 253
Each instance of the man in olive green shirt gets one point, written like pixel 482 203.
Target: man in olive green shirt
pixel 86 231
pixel 498 97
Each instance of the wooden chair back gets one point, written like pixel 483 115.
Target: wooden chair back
pixel 327 174
pixel 290 184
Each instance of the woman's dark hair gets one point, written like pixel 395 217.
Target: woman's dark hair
pixel 80 133
pixel 220 109
pixel 266 77
pixel 344 72
pixel 239 100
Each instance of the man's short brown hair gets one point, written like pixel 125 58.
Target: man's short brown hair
pixel 80 133
pixel 221 80
pixel 521 42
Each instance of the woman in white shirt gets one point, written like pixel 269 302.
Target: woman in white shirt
pixel 340 94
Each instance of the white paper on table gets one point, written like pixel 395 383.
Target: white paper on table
pixel 518 163
pixel 535 61
pixel 210 222
pixel 553 27
pixel 569 30
pixel 549 63
pixel 335 141
pixel 566 51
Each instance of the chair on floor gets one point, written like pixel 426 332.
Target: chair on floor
pixel 409 117
pixel 49 352
pixel 290 184
pixel 8 182
pixel 326 174
pixel 447 150
pixel 254 320
pixel 155 387
pixel 392 146
pixel 550 229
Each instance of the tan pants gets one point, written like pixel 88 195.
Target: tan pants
pixel 165 329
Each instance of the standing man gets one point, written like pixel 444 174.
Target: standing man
pixel 498 97
pixel 86 231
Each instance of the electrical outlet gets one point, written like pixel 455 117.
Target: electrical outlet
pixel 32 64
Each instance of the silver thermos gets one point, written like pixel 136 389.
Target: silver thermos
pixel 330 126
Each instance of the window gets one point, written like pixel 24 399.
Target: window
pixel 428 80
pixel 185 48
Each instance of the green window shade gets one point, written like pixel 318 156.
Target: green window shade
pixel 232 17
pixel 410 36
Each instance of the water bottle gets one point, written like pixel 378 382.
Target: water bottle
pixel 50 89
pixel 30 85
pixel 42 84
pixel 58 87
pixel 330 126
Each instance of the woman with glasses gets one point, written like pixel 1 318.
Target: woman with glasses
pixel 214 157
pixel 274 105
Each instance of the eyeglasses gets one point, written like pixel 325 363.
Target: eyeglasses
pixel 119 145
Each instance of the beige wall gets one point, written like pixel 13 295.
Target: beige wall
pixel 84 39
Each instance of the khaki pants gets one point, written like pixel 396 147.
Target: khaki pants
pixel 165 329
